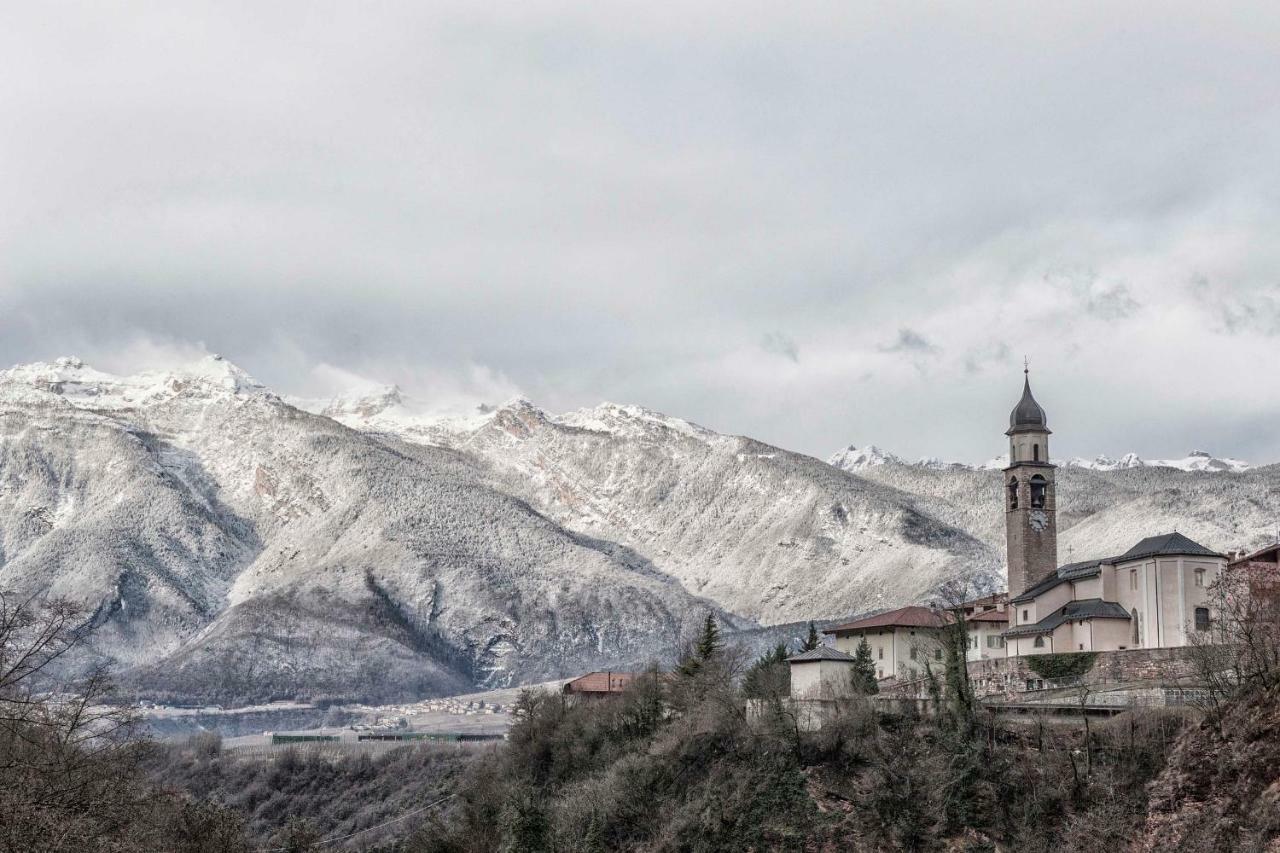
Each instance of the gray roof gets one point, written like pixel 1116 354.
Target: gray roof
pixel 1166 544
pixel 1061 575
pixel 820 653
pixel 1027 415
pixel 1089 608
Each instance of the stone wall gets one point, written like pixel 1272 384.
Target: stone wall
pixel 1013 678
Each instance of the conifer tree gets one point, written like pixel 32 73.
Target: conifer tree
pixel 864 670
pixel 768 675
pixel 708 644
pixel 812 641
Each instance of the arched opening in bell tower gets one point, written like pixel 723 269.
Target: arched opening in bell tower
pixel 1013 493
pixel 1038 489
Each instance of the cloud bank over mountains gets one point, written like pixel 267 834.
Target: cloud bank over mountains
pixel 811 226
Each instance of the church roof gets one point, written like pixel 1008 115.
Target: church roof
pixel 1027 416
pixel 1061 575
pixel 820 653
pixel 1166 544
pixel 1089 608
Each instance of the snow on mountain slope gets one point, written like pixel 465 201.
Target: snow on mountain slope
pixel 764 532
pixel 1104 512
pixel 233 546
pixel 857 459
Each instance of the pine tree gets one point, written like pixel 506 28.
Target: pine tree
pixel 768 675
pixel 709 643
pixel 864 670
pixel 707 646
pixel 812 641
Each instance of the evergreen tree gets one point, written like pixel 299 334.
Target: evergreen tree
pixel 769 676
pixel 707 646
pixel 709 643
pixel 812 641
pixel 864 670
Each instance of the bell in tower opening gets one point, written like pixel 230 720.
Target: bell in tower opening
pixel 1031 530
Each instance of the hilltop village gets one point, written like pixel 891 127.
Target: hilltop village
pixel 1135 615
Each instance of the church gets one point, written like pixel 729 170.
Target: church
pixel 1154 595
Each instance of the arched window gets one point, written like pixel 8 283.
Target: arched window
pixel 1013 493
pixel 1039 643
pixel 1035 453
pixel 1133 614
pixel 1038 488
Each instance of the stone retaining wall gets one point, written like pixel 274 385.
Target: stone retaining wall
pixel 1013 678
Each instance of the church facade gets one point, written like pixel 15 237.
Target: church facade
pixel 1155 595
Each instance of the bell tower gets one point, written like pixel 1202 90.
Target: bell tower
pixel 1030 505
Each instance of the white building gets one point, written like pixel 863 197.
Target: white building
pixel 900 640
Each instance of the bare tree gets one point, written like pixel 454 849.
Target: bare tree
pixel 66 757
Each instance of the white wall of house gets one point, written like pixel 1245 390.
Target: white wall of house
pixel 821 679
pixel 985 641
pixel 898 651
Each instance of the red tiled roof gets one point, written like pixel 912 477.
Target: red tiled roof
pixel 911 616
pixel 993 598
pixel 600 682
pixel 989 616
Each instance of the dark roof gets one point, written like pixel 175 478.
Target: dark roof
pixel 1269 554
pixel 1166 544
pixel 911 616
pixel 1027 416
pixel 820 653
pixel 1061 575
pixel 1089 608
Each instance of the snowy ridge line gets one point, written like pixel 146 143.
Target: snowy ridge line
pixel 855 459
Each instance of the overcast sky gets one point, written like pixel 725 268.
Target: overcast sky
pixel 815 224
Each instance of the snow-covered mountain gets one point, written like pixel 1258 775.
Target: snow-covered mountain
pixel 857 459
pixel 229 544
pixel 766 533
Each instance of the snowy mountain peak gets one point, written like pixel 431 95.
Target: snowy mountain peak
pixel 631 421
pixel 860 458
pixel 365 406
pixel 84 387
pixel 854 458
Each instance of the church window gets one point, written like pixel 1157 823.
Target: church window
pixel 1038 489
pixel 994 642
pixel 1202 619
pixel 1133 579
pixel 1133 614
pixel 937 654
pixel 880 653
pixel 1035 453
pixel 1013 493
pixel 913 652
pixel 1039 643
pixel 1081 645
pixel 1199 577
pixel 1024 615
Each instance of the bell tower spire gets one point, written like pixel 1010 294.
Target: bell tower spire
pixel 1031 526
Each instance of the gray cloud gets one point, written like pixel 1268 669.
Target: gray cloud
pixel 579 202
pixel 910 341
pixel 781 344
